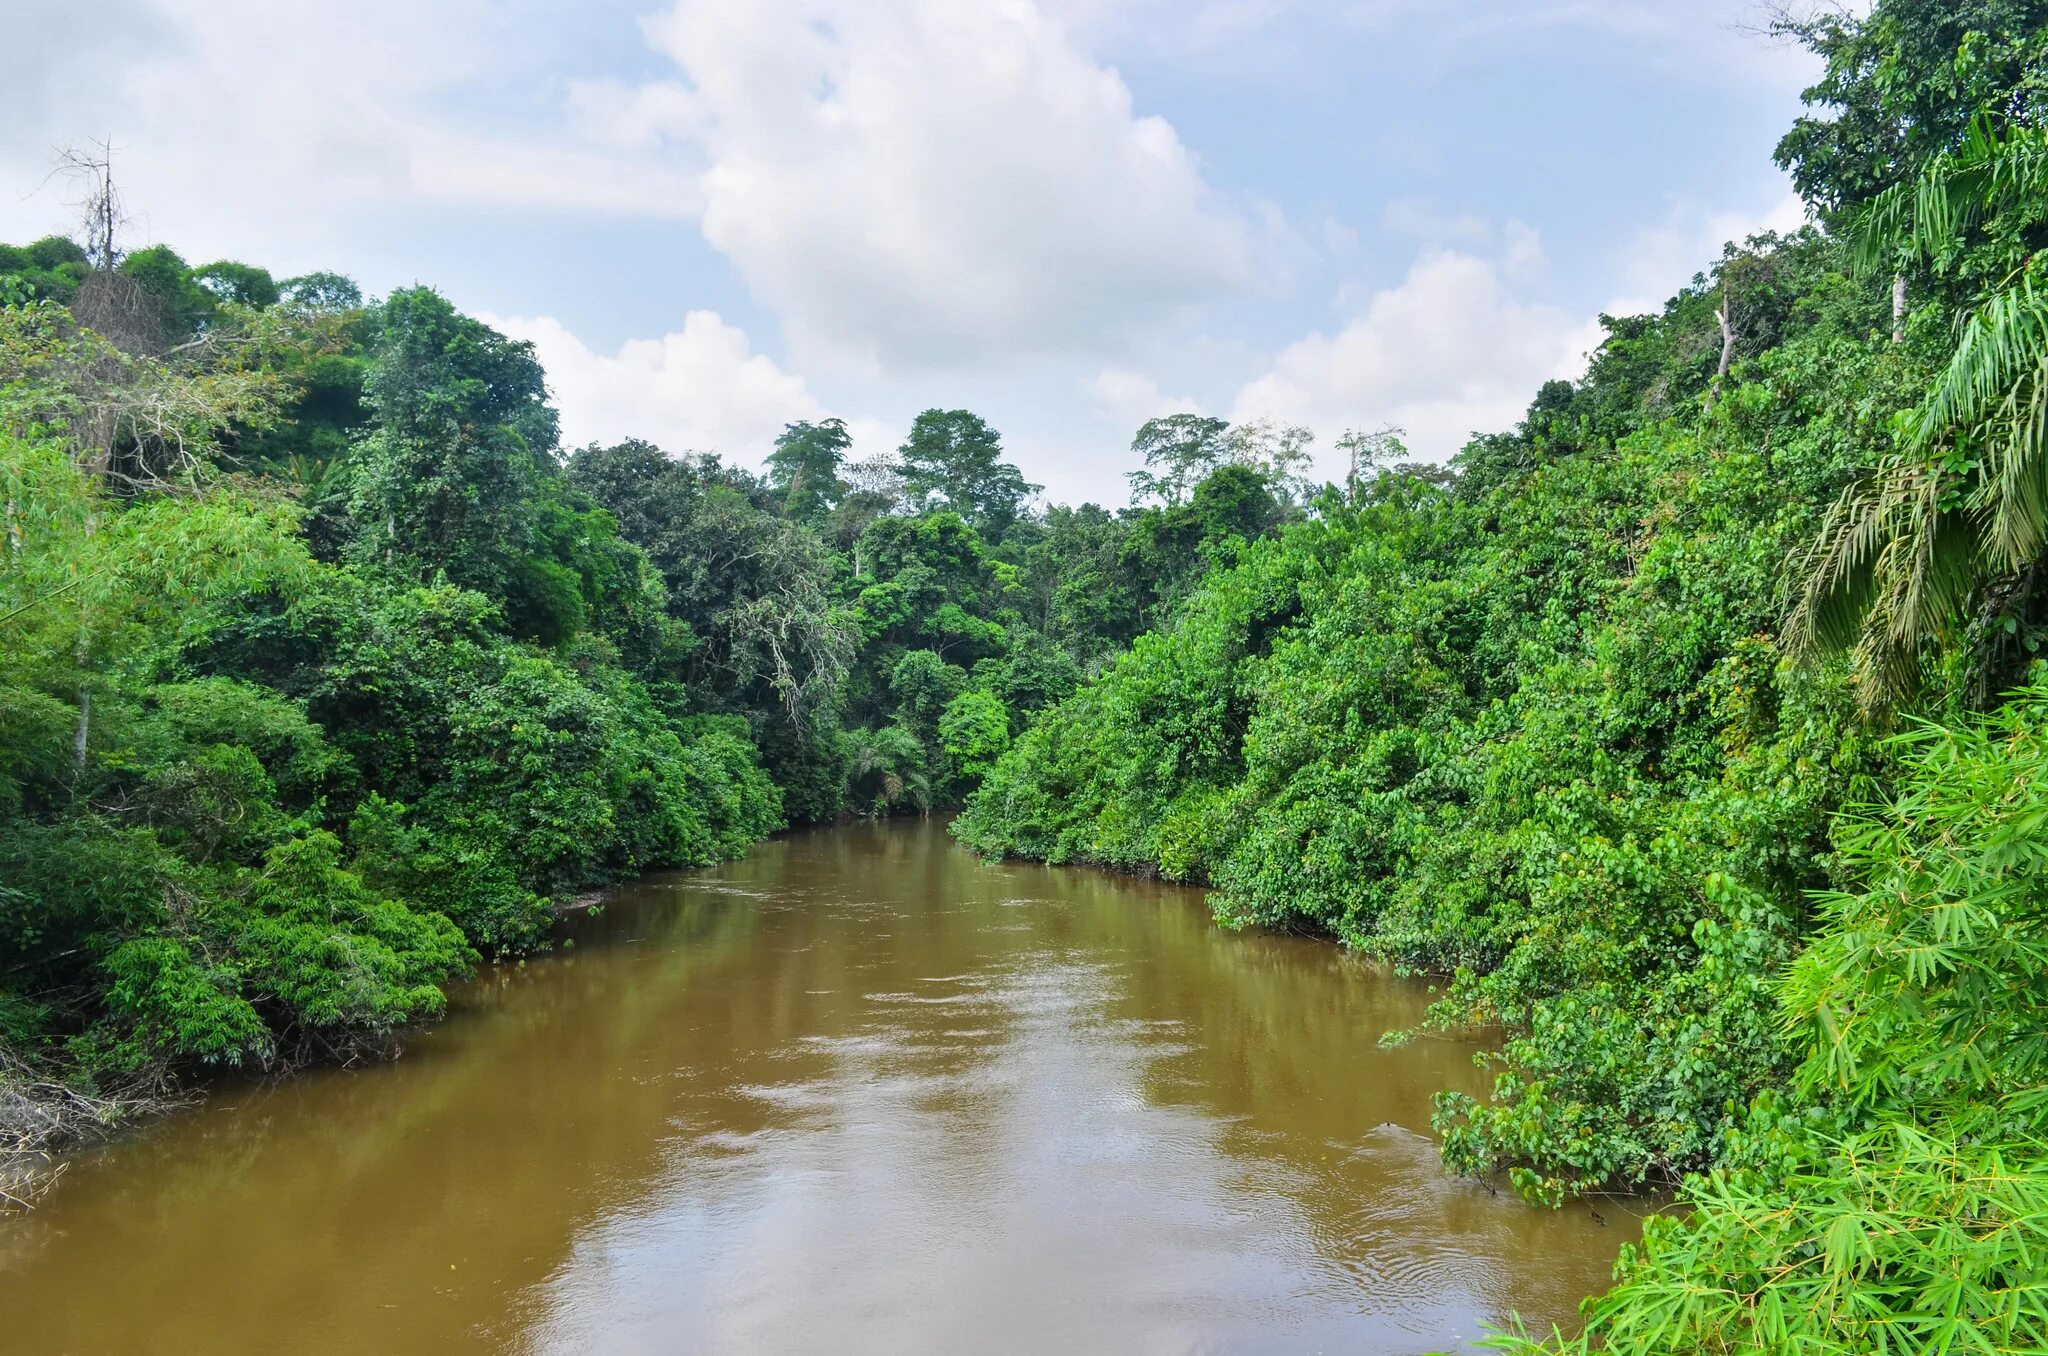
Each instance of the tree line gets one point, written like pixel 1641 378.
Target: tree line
pixel 328 671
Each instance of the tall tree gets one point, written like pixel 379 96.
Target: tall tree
pixel 1902 85
pixel 954 460
pixel 461 439
pixel 1179 451
pixel 804 468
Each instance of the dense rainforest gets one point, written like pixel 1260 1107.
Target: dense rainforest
pixel 327 671
pixel 1691 731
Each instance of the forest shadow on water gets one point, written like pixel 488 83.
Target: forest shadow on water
pixel 858 1092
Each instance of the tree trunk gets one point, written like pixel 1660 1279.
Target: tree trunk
pixel 1722 314
pixel 1898 308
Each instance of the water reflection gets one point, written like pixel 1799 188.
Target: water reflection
pixel 858 1094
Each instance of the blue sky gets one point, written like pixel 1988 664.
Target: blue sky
pixel 1069 215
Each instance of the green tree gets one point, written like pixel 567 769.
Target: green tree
pixel 1955 516
pixel 322 291
pixel 885 770
pixel 50 269
pixel 954 460
pixel 804 468
pixel 1170 548
pixel 974 730
pixel 242 284
pixel 1083 594
pixel 1180 450
pixel 460 448
pixel 1903 84
pixel 180 304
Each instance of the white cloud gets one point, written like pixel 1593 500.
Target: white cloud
pixel 1663 258
pixel 1127 399
pixel 698 389
pixel 934 181
pixel 1453 349
pixel 255 124
pixel 1448 351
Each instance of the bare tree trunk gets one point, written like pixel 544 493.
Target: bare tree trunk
pixel 1898 308
pixel 1722 313
pixel 107 206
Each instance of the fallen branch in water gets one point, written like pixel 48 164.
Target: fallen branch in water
pixel 42 1115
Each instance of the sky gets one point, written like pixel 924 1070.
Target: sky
pixel 712 217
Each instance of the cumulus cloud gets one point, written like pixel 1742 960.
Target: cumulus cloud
pixel 1661 258
pixel 1448 351
pixel 1455 348
pixel 701 388
pixel 1127 399
pixel 255 123
pixel 929 180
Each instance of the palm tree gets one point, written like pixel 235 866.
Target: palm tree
pixel 1958 513
pixel 884 768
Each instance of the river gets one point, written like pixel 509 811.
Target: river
pixel 857 1093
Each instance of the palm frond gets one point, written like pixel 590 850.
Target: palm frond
pixel 1963 501
pixel 1924 217
pixel 1888 569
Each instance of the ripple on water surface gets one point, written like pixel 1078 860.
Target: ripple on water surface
pixel 858 1093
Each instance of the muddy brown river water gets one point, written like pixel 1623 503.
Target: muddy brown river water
pixel 856 1094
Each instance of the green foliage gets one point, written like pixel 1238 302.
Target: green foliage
pixel 974 730
pixel 297 959
pixel 1903 84
pixel 257 807
pixel 242 284
pixel 1082 591
pixel 48 270
pixel 1944 533
pixel 885 770
pixel 1180 450
pixel 322 292
pixel 180 303
pixel 753 630
pixel 804 467
pixel 1172 547
pixel 1905 1208
pixel 1523 728
pixel 954 460
pixel 448 477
